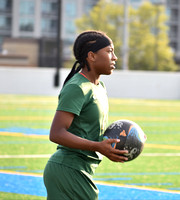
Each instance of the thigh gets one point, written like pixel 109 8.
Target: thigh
pixel 65 183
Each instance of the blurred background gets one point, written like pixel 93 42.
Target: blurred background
pixel 40 34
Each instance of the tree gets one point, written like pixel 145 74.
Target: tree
pixel 148 39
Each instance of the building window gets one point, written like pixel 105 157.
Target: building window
pixel 5 23
pixel 174 14
pixel 26 24
pixel 174 2
pixel 174 45
pixel 49 25
pixel 70 27
pixel 70 9
pixel 5 4
pixel 26 10
pixel 174 31
pixel 27 7
pixel 88 5
pixel 1 41
pixel 168 12
pixel 49 7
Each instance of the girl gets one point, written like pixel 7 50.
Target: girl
pixel 80 120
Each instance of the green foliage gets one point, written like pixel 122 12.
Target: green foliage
pixel 148 40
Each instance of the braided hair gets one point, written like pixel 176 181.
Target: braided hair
pixel 85 42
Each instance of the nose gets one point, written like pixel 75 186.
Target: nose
pixel 114 57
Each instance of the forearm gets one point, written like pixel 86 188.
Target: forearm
pixel 65 138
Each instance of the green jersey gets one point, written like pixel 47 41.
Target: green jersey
pixel 89 104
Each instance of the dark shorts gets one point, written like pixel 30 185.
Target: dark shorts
pixel 65 183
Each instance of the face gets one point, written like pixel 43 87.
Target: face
pixel 104 60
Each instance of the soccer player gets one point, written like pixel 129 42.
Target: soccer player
pixel 80 121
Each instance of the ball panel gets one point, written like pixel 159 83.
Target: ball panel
pixel 133 143
pixel 118 130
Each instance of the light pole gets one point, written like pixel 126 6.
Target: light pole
pixel 125 48
pixel 156 45
pixel 58 46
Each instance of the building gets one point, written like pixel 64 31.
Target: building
pixel 30 27
pixel 5 20
pixel 174 25
pixel 35 23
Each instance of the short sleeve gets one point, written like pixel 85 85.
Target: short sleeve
pixel 71 99
pixel 102 83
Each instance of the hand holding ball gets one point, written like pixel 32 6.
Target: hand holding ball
pixel 132 137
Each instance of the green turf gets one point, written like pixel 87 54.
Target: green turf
pixel 13 196
pixel 160 120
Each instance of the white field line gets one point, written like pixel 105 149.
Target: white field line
pixel 48 155
pixel 26 156
pixel 161 154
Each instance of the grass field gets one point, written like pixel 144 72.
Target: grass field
pixel 24 125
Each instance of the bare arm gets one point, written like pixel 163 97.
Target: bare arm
pixel 60 135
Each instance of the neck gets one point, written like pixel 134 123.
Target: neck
pixel 91 76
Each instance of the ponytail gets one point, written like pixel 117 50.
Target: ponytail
pixel 73 71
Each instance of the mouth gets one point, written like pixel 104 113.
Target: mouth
pixel 113 65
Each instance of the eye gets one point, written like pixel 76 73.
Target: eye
pixel 110 50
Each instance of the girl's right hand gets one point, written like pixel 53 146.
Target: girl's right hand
pixel 116 155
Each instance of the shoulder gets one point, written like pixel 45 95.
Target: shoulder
pixel 78 83
pixel 71 91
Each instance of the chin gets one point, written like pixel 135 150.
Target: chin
pixel 111 71
pixel 108 73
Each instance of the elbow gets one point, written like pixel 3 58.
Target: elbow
pixel 56 136
pixel 51 137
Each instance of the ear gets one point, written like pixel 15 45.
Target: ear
pixel 91 56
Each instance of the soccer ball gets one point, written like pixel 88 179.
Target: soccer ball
pixel 132 137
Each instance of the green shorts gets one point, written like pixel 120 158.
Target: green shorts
pixel 65 183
